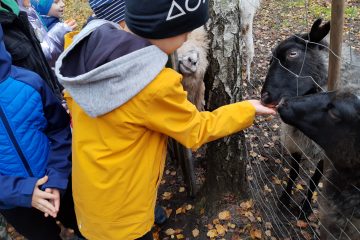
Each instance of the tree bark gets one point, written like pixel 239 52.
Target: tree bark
pixel 225 157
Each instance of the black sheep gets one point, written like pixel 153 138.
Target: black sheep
pixel 299 67
pixel 332 120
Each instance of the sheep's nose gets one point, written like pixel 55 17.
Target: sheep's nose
pixel 192 61
pixel 265 98
pixel 283 102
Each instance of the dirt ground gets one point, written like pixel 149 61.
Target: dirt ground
pixel 257 217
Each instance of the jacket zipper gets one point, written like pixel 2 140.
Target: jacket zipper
pixel 15 143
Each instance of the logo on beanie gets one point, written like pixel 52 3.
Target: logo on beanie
pixel 177 11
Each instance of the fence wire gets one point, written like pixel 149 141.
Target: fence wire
pixel 269 160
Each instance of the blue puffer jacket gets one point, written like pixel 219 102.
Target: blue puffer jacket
pixel 35 137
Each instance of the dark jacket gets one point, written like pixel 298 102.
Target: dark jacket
pixel 35 137
pixel 21 42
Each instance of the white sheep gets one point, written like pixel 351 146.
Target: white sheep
pixel 193 62
pixel 247 12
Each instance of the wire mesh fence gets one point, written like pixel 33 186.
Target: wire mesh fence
pixel 270 160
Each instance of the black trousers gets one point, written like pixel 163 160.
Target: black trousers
pixel 32 224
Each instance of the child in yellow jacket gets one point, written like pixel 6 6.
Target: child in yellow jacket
pixel 124 103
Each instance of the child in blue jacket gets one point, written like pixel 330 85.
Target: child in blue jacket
pixel 35 151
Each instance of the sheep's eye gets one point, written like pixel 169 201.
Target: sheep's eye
pixel 293 54
pixel 334 114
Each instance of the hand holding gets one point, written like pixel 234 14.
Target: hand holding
pixel 56 201
pixel 41 199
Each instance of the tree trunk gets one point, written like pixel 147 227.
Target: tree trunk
pixel 225 157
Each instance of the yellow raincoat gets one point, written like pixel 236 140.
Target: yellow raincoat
pixel 118 157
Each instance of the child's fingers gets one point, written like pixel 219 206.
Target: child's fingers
pixel 56 200
pixel 45 195
pixel 41 181
pixel 45 207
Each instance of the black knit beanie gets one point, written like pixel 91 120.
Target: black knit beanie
pixel 157 19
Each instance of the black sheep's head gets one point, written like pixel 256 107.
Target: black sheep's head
pixel 297 66
pixel 332 120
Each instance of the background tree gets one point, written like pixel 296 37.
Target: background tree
pixel 225 157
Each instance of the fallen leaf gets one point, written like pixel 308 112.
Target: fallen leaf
pixel 195 232
pixel 179 210
pixel 221 230
pixel 301 224
pixel 246 205
pixel 299 187
pixel 170 231
pixel 180 236
pixel 166 195
pixel 210 226
pixel 181 189
pixel 212 233
pixel 225 215
pixel 267 189
pixel 255 234
pixel 216 221
pixel 231 225
pixel 188 207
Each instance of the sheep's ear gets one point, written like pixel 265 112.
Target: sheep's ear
pixel 317 32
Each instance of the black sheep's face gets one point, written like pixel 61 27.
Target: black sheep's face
pixel 297 66
pixel 293 71
pixel 331 119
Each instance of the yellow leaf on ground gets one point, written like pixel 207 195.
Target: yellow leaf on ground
pixel 210 226
pixel 166 195
pixel 221 230
pixel 246 205
pixel 225 215
pixel 181 189
pixel 216 221
pixel 170 231
pixel 212 233
pixel 180 236
pixel 267 189
pixel 255 234
pixel 195 232
pixel 299 187
pixel 178 211
pixel 301 224
pixel 231 225
pixel 188 207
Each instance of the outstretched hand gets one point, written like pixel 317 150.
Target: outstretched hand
pixel 45 201
pixel 261 109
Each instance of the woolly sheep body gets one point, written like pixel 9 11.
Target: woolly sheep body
pixel 332 119
pixel 193 63
pixel 248 9
pixel 340 200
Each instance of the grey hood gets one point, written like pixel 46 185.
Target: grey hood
pixel 105 67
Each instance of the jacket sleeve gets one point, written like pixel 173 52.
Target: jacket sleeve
pixel 173 115
pixel 53 43
pixel 59 134
pixel 16 191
